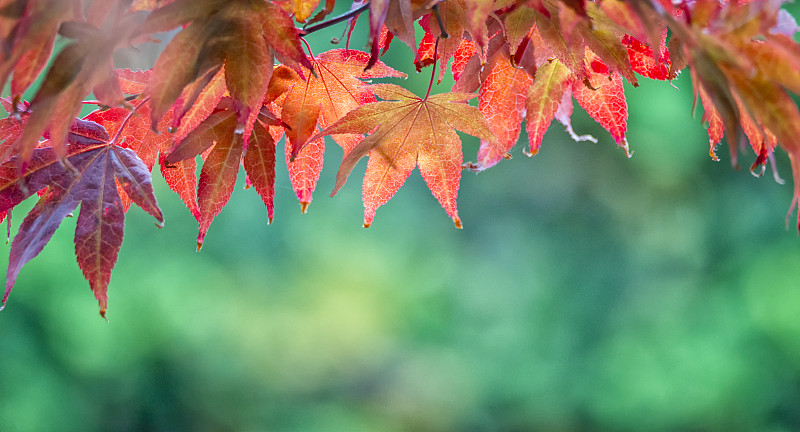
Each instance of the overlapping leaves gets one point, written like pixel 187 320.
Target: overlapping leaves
pixel 88 176
pixel 215 97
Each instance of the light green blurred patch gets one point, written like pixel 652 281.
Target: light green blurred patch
pixel 770 281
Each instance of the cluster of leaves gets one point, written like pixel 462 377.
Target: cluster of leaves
pixel 216 92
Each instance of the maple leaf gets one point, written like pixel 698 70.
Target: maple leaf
pixel 302 9
pixel 449 34
pixel 88 178
pixel 218 136
pixel 551 82
pixel 477 12
pixel 398 16
pixel 243 35
pixel 645 62
pixel 248 67
pixel 502 101
pixel 774 112
pixel 518 24
pixel 715 127
pixel 333 92
pixel 30 43
pixel 198 100
pixel 131 129
pixel 408 131
pixel 218 175
pixel 605 100
pixel 564 43
pixel 10 130
pixel 85 65
pixel 304 170
pixel 461 58
pixel 319 101
pixel 259 163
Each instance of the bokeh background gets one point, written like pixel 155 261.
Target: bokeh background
pixel 587 291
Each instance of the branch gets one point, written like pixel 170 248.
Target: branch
pixel 335 20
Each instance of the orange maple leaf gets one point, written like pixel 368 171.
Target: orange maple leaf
pixel 408 131
pixel 319 101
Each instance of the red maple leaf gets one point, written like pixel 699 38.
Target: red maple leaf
pixel 219 137
pixel 131 129
pixel 502 101
pixel 89 178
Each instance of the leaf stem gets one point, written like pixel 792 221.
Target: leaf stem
pixel 125 122
pixel 308 47
pixel 97 102
pixel 442 32
pixel 335 20
pixel 433 72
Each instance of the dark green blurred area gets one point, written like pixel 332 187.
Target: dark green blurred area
pixel 587 291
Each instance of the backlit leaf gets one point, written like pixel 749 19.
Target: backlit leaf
pixel 410 131
pixel 91 183
pixel 549 86
pixel 605 102
pixel 502 101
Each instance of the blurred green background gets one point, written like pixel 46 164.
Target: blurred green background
pixel 587 291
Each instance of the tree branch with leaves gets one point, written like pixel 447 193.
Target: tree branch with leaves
pixel 238 76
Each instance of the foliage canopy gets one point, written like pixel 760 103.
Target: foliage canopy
pixel 216 92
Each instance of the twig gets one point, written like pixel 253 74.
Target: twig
pixel 325 24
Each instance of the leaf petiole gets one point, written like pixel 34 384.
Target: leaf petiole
pixel 433 71
pixel 443 33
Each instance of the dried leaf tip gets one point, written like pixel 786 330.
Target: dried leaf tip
pixel 103 314
pixel 472 166
pixel 713 154
pixel 199 245
pixel 367 223
pixel 457 221
pixel 269 220
pixel 625 147
pixel 303 207
pixel 757 169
